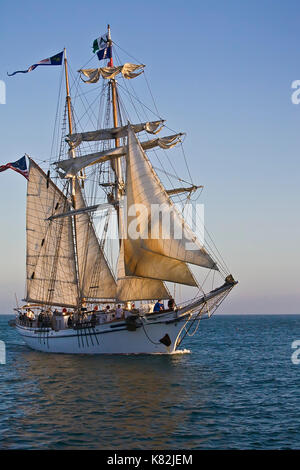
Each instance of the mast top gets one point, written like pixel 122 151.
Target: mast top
pixel 68 97
pixel 110 64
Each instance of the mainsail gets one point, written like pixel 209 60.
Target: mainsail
pixel 51 269
pixel 96 280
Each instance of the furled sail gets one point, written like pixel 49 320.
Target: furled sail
pixel 50 261
pixel 95 207
pixel 72 166
pixel 95 277
pixel 113 133
pixel 175 191
pixel 135 288
pixel 127 70
pixel 155 245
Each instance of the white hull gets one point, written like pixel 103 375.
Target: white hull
pixel 111 338
pixel 116 338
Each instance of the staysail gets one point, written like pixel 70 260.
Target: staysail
pixel 50 262
pixel 135 288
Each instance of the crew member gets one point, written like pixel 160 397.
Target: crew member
pixel 158 306
pixel 119 312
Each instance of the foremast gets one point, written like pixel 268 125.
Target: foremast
pixel 73 179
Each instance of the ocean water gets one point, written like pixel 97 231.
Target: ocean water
pixel 236 389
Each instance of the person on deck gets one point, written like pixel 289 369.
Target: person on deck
pixel 93 319
pixel 30 316
pixel 40 318
pixel 171 304
pixel 70 321
pixel 119 312
pixel 158 306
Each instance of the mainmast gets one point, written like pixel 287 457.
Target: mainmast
pixel 117 163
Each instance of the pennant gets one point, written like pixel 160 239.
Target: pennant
pixel 19 166
pixel 54 60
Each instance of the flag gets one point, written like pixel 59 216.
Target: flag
pixel 103 46
pixel 20 166
pixel 105 53
pixel 54 60
pixel 100 43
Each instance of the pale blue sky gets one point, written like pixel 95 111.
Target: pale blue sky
pixel 222 72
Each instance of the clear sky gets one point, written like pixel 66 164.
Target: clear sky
pixel 222 72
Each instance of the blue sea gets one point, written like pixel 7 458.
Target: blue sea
pixel 237 388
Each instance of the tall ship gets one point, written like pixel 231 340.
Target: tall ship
pixel 108 246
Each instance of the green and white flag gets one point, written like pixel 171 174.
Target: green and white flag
pixel 100 43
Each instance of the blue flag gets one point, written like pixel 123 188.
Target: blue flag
pixel 105 53
pixel 54 60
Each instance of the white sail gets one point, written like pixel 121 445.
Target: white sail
pixel 135 288
pixel 51 269
pixel 127 70
pixel 143 263
pixel 95 277
pixel 113 133
pixel 72 166
pixel 145 190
